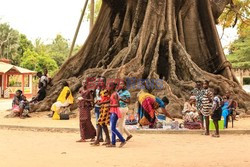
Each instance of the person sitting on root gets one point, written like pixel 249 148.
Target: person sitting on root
pixel 65 99
pixel 41 94
pixel 189 111
pixel 20 105
pixel 42 79
pixel 46 75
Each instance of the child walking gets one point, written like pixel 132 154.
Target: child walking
pixel 115 114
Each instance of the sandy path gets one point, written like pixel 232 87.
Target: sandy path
pixel 38 149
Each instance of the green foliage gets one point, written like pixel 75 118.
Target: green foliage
pixel 59 49
pixel 22 52
pixel 38 61
pixel 76 49
pixel 24 45
pixel 246 81
pixel 9 42
pixel 236 15
pixel 239 51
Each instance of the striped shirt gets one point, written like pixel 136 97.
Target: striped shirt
pixel 207 102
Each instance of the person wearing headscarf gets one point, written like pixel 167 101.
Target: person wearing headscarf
pixel 189 111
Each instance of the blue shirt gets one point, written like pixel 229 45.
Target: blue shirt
pixel 123 94
pixel 160 102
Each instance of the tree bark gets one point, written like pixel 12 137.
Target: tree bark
pixel 173 40
pixel 92 14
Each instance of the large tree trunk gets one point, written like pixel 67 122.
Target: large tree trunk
pixel 174 40
pixel 92 14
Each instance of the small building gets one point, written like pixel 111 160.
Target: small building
pixel 243 76
pixel 13 78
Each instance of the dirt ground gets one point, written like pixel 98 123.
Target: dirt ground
pixel 39 149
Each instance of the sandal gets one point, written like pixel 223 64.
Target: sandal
pixel 206 134
pixel 95 144
pixel 110 145
pixel 122 144
pixel 81 140
pixel 129 137
pixel 105 144
pixel 214 135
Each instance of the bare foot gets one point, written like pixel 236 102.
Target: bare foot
pixel 96 143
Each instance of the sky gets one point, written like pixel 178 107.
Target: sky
pixel 46 18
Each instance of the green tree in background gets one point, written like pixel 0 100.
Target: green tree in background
pixel 76 49
pixel 59 49
pixel 24 45
pixel 38 61
pixel 239 51
pixel 9 42
pixel 236 14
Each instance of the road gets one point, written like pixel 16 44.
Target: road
pixel 45 149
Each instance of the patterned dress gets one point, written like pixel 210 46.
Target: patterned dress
pixel 104 118
pixel 207 102
pixel 198 93
pixel 87 129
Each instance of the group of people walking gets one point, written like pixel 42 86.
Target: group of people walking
pixel 110 109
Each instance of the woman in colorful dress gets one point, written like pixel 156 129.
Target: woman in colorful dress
pixel 115 115
pixel 104 117
pixel 86 99
pixel 198 92
pixel 149 105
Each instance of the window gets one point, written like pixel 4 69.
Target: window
pixel 246 81
pixel 26 81
pixel 14 81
